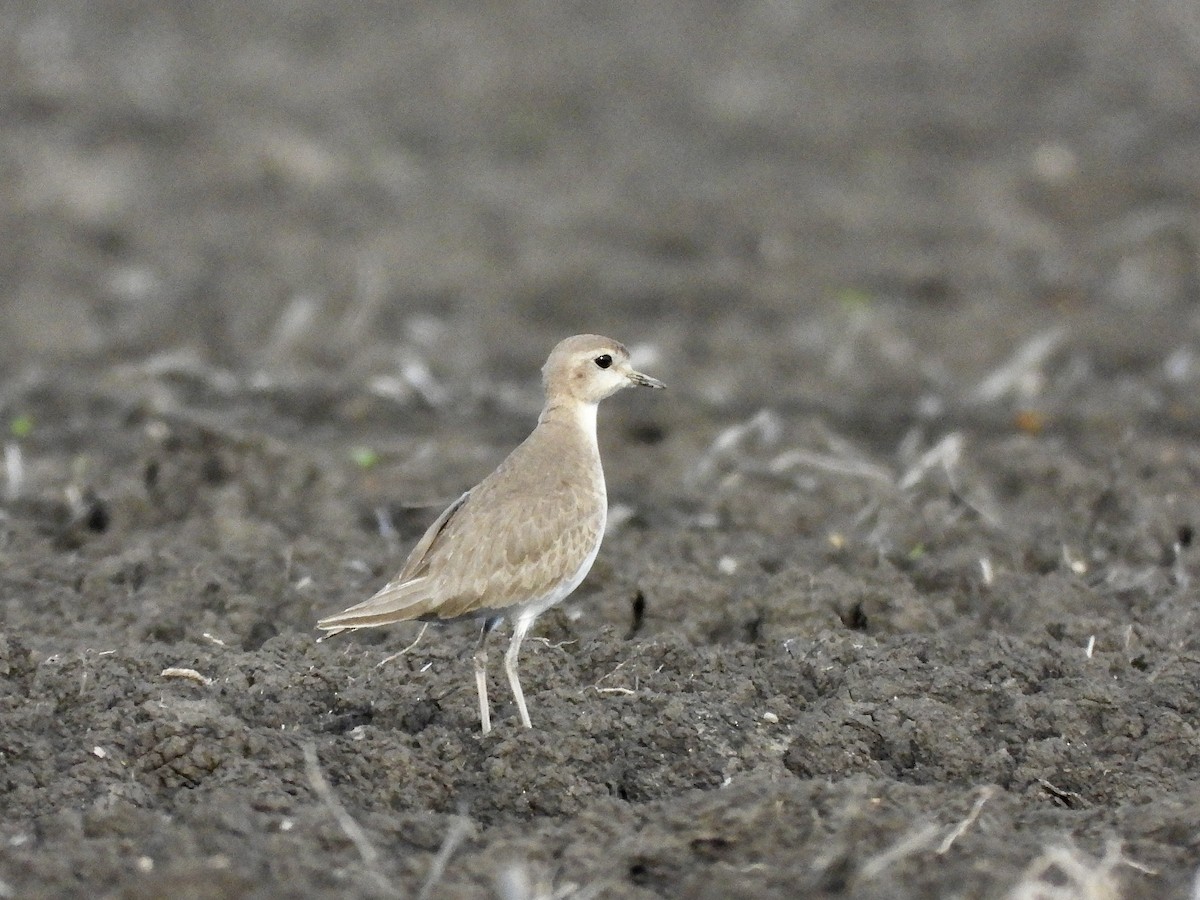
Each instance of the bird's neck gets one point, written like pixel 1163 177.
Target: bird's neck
pixel 572 413
pixel 571 425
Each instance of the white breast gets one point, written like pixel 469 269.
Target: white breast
pixel 534 608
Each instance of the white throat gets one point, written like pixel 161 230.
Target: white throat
pixel 585 418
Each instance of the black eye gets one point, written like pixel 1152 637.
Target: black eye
pixel 604 360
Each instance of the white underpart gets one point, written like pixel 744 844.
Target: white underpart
pixel 529 611
pixel 585 418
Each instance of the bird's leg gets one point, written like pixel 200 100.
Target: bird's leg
pixel 510 667
pixel 485 716
pixel 485 713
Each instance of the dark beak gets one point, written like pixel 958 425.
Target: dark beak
pixel 645 380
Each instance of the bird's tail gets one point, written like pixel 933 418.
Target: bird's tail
pixel 401 602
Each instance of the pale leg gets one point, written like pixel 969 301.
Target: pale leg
pixel 485 713
pixel 510 667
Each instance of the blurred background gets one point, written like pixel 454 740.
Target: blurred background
pixel 917 513
pixel 796 201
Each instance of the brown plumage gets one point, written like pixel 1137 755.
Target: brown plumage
pixel 524 537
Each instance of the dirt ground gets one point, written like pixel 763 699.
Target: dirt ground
pixel 899 594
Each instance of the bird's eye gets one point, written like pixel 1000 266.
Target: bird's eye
pixel 604 360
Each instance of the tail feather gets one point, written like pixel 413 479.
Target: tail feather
pixel 395 603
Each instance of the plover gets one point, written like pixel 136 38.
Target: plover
pixel 523 538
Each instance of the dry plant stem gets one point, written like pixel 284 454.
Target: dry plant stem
pixel 516 882
pixel 14 471
pixel 459 829
pixel 910 845
pixel 386 530
pixel 1065 873
pixel 836 465
pixel 614 690
pixel 1022 366
pixel 924 839
pixel 370 293
pixel 764 425
pixel 945 453
pixel 387 659
pixel 294 325
pixel 352 830
pixel 188 674
pixel 985 794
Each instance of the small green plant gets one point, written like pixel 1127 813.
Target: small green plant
pixel 364 457
pixel 853 299
pixel 21 425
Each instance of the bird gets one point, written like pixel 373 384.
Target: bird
pixel 525 537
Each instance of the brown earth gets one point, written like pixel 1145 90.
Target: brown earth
pixel 899 599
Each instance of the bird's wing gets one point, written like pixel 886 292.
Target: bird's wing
pixel 396 602
pixel 523 558
pixel 420 553
pixel 405 597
